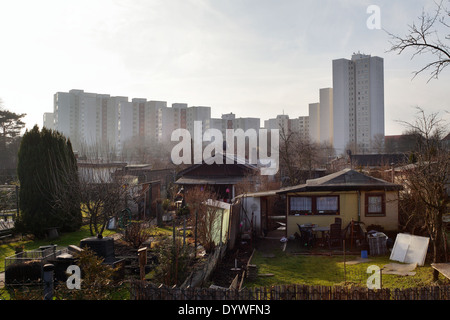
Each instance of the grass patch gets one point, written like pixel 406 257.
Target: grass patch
pixel 164 231
pixel 288 268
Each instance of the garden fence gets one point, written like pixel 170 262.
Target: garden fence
pixel 141 290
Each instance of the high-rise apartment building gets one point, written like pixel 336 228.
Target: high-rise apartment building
pixel 77 114
pixel 217 123
pixel 126 120
pixel 113 115
pixel 326 115
pixel 321 117
pixel 314 121
pixel 179 115
pixel 247 123
pixel 92 120
pixel 281 122
pixel 300 125
pixel 198 113
pixel 158 119
pixel 49 120
pixel 226 121
pixel 358 103
pixel 141 117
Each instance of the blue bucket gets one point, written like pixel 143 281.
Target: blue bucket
pixel 364 254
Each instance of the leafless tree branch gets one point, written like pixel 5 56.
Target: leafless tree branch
pixel 426 180
pixel 423 38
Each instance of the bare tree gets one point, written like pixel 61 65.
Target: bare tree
pixel 101 195
pixel 324 154
pixel 255 182
pixel 377 143
pixel 142 150
pixel 427 181
pixel 202 217
pixel 423 38
pixel 288 155
pixel 103 150
pixel 299 156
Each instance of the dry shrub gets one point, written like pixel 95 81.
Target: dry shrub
pixel 202 217
pixel 136 233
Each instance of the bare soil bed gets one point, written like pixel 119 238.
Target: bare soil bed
pixel 225 273
pixel 222 276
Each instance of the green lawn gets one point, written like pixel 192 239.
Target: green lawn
pixel 287 268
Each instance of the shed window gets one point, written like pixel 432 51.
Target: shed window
pixel 375 204
pixel 301 204
pixel 327 204
pixel 316 205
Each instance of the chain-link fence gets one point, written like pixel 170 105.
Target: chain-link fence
pixel 28 265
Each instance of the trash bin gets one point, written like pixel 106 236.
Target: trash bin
pixel 377 243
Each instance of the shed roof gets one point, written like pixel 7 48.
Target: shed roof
pixel 209 172
pixel 344 180
pixel 378 160
pixel 259 194
pixel 209 180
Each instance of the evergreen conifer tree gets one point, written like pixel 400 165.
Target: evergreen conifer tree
pixel 48 176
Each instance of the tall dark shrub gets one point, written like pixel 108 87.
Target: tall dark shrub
pixel 48 177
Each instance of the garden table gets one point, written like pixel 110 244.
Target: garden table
pixel 324 231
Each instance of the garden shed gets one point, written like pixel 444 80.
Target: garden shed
pixel 262 212
pixel 348 195
pixel 222 177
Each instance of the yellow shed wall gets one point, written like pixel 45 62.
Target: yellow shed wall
pixel 348 209
pixel 390 221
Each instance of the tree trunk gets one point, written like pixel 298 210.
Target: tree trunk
pixel 439 246
pixel 91 223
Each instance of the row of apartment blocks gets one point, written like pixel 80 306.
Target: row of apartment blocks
pixel 91 119
pixel 348 116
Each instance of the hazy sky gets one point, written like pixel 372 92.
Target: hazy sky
pixel 255 58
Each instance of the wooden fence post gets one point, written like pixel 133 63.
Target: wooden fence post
pixel 142 254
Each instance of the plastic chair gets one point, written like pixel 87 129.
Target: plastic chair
pixel 307 237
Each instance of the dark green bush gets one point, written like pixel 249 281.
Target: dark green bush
pixel 28 271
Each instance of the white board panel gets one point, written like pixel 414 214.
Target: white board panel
pixel 417 250
pixel 400 247
pixel 410 249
